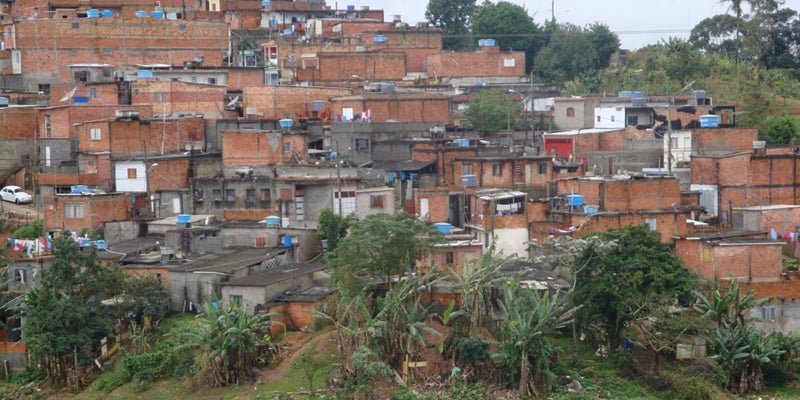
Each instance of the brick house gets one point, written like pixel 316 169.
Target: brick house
pixel 79 211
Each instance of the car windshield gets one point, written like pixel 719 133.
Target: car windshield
pixel 17 190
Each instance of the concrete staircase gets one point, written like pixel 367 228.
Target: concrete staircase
pixel 8 168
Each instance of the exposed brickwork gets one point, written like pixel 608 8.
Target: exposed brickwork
pixel 96 210
pixel 276 102
pixel 261 148
pixel 488 61
pixel 399 107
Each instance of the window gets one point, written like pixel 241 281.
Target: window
pixel 570 112
pixel 44 88
pixel 76 25
pixel 212 81
pixel 93 92
pixel 134 52
pixel 198 195
pixel 194 79
pixel 633 120
pixel 448 258
pixel 466 169
pixel 182 27
pixel 376 201
pixel 107 52
pixel 497 169
pixel 287 147
pixel 362 144
pixel 266 196
pixel 94 134
pixel 131 173
pixel 216 195
pixel 233 299
pixel 158 97
pixel 159 277
pixel 612 118
pixel 48 127
pixel 651 222
pixel 230 195
pixel 73 210
pixel 250 196
pixel 598 118
pixel 541 168
pixel 768 313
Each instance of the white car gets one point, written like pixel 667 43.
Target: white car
pixel 15 194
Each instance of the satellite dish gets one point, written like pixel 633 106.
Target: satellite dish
pixel 69 94
pixel 232 102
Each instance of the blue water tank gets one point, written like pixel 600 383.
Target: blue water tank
pixel 141 13
pixel 265 3
pixel 486 43
pixel 144 73
pixel 379 39
pixel 107 14
pixel 709 121
pixel 273 220
pixel 100 244
pixel 575 200
pixel 286 123
pixel 92 13
pixel 351 8
pixel 157 14
pixel 80 100
pixel 287 241
pixel 587 209
pixel 184 218
pixel 443 227
pixel 461 142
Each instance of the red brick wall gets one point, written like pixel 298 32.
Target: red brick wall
pixel 668 224
pixel 259 148
pixel 48 44
pixel 438 203
pixel 400 107
pixel 370 65
pixel 484 63
pixel 97 209
pixel 287 101
pixel 170 175
pixel 18 123
pixel 625 195
pixel 137 137
pixel 179 97
pixel 239 78
pixel 729 139
pixel 62 118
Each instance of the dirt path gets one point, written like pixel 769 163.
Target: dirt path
pixel 296 346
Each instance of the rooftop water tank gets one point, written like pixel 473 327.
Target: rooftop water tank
pixel 486 42
pixel 351 8
pixel 709 121
pixel 590 209
pixel 184 218
pixel 157 14
pixel 273 220
pixel 575 200
pixel 443 227
pixel 265 3
pixel 145 73
pixel 141 13
pixel 92 13
pixel 3 101
pixel 286 123
pixel 379 39
pixel 287 241
pixel 107 14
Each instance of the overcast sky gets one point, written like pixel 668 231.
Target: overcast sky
pixel 637 22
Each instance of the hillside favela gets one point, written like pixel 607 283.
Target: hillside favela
pixel 293 199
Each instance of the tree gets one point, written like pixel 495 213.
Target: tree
pixel 228 339
pixel 575 53
pixel 64 315
pixel 511 26
pixel 604 42
pixel 332 227
pixel 528 318
pixel 455 18
pixel 381 246
pixel 741 349
pixel 639 269
pixel 779 131
pixel 491 111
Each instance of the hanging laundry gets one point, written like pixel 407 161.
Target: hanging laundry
pixel 773 234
